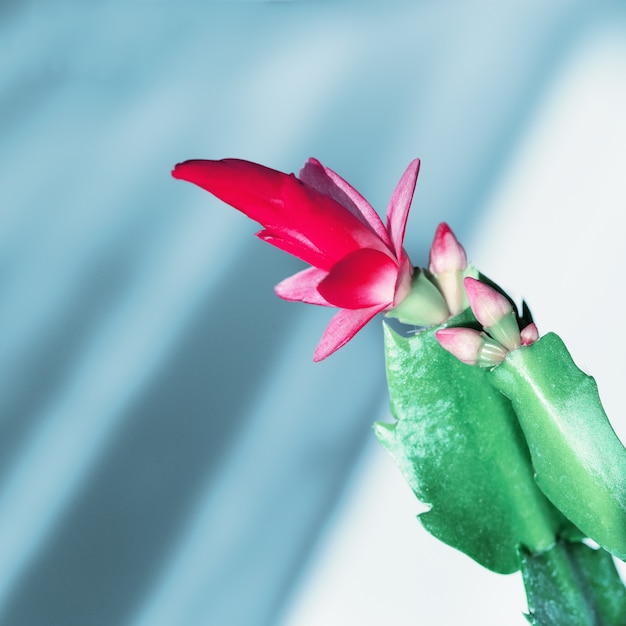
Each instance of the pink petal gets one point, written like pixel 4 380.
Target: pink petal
pixel 328 182
pixel 343 326
pixel 302 287
pixel 363 279
pixel 399 205
pixel 403 282
pixel 282 204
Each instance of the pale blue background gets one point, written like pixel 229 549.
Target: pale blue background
pixel 169 454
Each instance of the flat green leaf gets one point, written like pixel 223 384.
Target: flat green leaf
pixel 580 463
pixel 573 585
pixel 458 444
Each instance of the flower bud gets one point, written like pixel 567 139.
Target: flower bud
pixel 529 334
pixel 446 253
pixel 494 312
pixel 447 263
pixel 471 346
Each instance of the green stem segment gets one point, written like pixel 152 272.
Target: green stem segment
pixel 459 445
pixel 579 462
pixel 527 465
pixel 573 585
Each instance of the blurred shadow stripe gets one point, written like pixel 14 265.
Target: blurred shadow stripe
pixel 256 526
pixel 80 420
pixel 110 501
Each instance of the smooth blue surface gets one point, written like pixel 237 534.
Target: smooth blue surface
pixel 169 454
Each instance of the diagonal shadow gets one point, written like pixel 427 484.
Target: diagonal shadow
pixel 172 439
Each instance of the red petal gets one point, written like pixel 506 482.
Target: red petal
pixel 297 247
pixel 399 205
pixel 302 287
pixel 250 188
pixel 344 325
pixel 324 180
pixel 364 278
pixel 283 204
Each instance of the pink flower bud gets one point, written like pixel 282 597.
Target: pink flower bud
pixel 464 343
pixel 529 334
pixel 471 346
pixel 494 312
pixel 489 306
pixel 446 253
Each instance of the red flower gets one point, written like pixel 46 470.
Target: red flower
pixel 358 263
